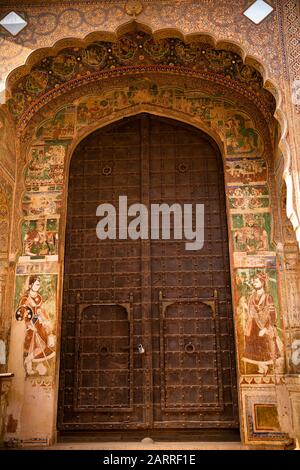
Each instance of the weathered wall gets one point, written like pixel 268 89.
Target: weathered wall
pixel 262 238
pixel 272 45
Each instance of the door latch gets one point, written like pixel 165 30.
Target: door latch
pixel 140 349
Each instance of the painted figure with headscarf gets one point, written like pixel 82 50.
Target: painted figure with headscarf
pixel 262 343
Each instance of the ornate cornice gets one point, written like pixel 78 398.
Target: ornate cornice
pixel 49 3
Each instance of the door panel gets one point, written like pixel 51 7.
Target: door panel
pixel 119 294
pixel 100 280
pixel 104 368
pixel 190 356
pixel 186 168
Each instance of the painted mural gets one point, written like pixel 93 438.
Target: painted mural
pixel 241 138
pixel 246 170
pixel 36 307
pixel 140 48
pixel 212 110
pixel 246 175
pixel 259 319
pixel 94 55
pixel 40 237
pixel 5 207
pixel 260 346
pixel 4 226
pixel 248 197
pixel 45 167
pixel 246 178
pixel 4 222
pixel 60 127
pixel 207 108
pixel 261 415
pixel 41 203
pixel 295 354
pixel 63 66
pixel 36 82
pixel 7 145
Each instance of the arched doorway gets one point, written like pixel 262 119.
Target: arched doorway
pixel 193 81
pixel 147 329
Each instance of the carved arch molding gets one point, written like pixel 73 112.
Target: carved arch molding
pixel 64 95
pixel 83 84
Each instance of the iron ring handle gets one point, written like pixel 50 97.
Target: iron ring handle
pixel 189 348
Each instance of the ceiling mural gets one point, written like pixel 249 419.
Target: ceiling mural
pixel 135 51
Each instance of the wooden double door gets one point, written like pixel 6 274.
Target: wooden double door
pixel 147 327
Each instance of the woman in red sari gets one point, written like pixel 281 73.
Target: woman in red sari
pixel 39 341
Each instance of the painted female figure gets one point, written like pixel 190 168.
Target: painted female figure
pixel 39 341
pixel 262 343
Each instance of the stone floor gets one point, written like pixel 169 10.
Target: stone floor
pixel 147 446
